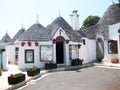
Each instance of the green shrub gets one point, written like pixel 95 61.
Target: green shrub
pixel 16 75
pixel 0 72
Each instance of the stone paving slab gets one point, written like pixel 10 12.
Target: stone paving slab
pixel 12 69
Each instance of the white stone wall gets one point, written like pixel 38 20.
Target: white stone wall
pixel 5 61
pixel 88 51
pixel 113 35
pixel 10 53
pixel 113 31
pixel 107 56
pixel 22 64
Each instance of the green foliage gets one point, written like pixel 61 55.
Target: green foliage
pixel 119 3
pixel 34 68
pixel 0 72
pixel 90 21
pixel 16 75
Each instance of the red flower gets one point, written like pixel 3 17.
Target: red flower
pixel 82 60
pixel 36 43
pixel 79 45
pixel 23 43
pixel 29 43
pixel 11 75
pixel 67 41
pixel 54 41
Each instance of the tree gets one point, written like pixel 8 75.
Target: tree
pixel 119 2
pixel 90 21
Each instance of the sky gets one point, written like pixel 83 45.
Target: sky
pixel 16 14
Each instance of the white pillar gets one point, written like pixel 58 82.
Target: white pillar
pixel 5 61
pixel 66 54
pixel 54 51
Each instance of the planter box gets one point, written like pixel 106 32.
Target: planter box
pixel 76 62
pixel 50 65
pixel 15 80
pixel 33 72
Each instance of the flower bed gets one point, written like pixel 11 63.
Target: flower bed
pixel 33 71
pixel 50 65
pixel 76 62
pixel 16 78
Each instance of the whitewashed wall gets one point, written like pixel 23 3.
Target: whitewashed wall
pixel 88 51
pixel 107 56
pixel 113 35
pixel 22 64
pixel 10 53
pixel 113 31
pixel 5 61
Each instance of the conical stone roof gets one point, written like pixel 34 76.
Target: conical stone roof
pixel 59 22
pixel 111 16
pixel 33 33
pixel 17 35
pixel 6 38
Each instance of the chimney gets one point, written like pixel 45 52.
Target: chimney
pixel 74 20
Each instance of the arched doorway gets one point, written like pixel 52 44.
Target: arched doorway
pixel 100 49
pixel 60 50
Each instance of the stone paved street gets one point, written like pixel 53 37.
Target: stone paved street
pixel 93 78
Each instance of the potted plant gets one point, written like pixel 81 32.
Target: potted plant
pixel 114 60
pixel 16 78
pixel 50 65
pixel 76 62
pixel 33 71
pixel 0 72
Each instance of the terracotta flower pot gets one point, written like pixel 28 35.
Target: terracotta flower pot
pixel 114 60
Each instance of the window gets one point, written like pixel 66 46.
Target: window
pixel 46 52
pixel 83 41
pixel 29 56
pixel 112 47
pixel 16 53
pixel 73 52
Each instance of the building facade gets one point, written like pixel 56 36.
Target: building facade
pixel 60 42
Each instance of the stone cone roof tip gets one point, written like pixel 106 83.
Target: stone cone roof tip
pixel 60 21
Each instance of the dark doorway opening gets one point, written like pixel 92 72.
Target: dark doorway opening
pixel 59 52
